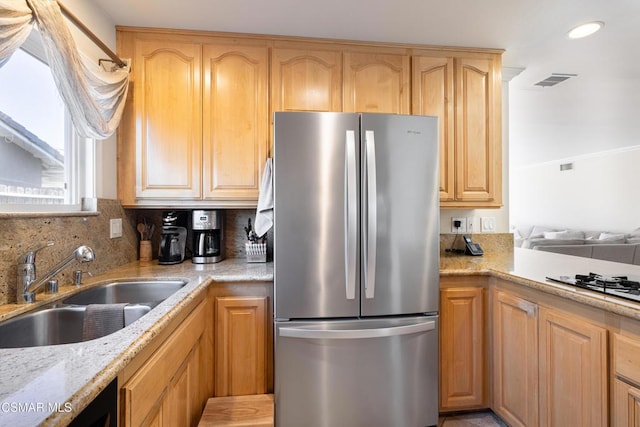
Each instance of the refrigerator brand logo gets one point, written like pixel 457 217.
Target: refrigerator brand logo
pixel 414 132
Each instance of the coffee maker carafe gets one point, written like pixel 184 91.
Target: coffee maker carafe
pixel 174 237
pixel 208 242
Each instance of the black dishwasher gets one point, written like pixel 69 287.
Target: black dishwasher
pixel 102 411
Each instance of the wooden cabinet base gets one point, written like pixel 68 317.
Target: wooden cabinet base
pixel 240 346
pixel 515 359
pixel 462 365
pixel 169 389
pixel 573 361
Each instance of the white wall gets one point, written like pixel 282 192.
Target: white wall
pixel 594 124
pixel 599 193
pixel 101 25
pixel 579 116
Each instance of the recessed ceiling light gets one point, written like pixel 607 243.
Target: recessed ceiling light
pixel 585 30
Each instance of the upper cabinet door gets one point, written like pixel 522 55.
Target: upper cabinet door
pixel 478 156
pixel 375 83
pixel 306 80
pixel 235 121
pixel 168 119
pixel 432 95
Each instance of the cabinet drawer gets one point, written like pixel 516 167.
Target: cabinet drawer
pixel 626 357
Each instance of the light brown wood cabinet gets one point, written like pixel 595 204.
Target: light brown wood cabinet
pixel 549 365
pixel 170 388
pixel 464 92
pixel 306 79
pixel 235 120
pixel 167 113
pixel 376 83
pixel 573 371
pixel 515 359
pixel 198 125
pixel 462 348
pixel 433 95
pixel 241 345
pixel 626 381
pixel 626 404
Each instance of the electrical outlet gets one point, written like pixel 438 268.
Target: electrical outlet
pixel 488 224
pixel 115 228
pixel 470 221
pixel 462 228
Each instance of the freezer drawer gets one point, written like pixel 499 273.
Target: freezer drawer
pixel 374 372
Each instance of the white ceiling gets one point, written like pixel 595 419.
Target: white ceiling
pixel 532 32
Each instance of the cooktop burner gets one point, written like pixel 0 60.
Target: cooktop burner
pixel 620 286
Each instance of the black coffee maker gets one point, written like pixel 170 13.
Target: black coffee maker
pixel 174 237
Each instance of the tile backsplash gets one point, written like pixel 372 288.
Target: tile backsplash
pixel 19 234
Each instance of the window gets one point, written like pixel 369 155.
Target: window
pixel 44 165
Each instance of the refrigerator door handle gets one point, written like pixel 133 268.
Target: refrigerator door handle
pixel 371 231
pixel 351 216
pixel 304 333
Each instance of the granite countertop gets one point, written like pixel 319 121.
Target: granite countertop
pixel 530 268
pixel 73 374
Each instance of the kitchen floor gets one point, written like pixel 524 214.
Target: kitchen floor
pixel 474 419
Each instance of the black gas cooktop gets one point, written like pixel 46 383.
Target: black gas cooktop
pixel 620 286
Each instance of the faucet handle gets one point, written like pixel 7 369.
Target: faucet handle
pixel 77 276
pixel 30 256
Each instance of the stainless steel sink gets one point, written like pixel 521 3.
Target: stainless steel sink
pixel 62 323
pixel 133 292
pixel 54 325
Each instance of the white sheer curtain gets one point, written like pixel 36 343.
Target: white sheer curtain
pixel 94 97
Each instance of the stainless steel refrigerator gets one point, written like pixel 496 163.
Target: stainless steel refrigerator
pixel 356 254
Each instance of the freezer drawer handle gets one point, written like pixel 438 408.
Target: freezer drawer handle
pixel 351 216
pixel 370 234
pixel 302 332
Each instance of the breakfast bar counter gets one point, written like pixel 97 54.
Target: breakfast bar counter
pixel 530 268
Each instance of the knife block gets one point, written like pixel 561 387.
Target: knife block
pixel 256 252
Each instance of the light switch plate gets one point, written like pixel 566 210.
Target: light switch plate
pixel 115 228
pixel 488 224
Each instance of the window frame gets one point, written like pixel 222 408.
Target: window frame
pixel 79 161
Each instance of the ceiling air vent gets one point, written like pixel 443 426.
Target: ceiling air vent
pixel 554 79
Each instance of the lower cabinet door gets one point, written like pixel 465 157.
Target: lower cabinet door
pixel 240 346
pixel 166 390
pixel 626 404
pixel 462 348
pixel 573 371
pixel 515 359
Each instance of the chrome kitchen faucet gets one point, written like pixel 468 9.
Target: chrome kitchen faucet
pixel 27 270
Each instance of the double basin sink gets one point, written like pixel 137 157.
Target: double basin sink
pixel 62 322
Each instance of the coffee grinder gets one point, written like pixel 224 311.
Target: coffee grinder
pixel 208 236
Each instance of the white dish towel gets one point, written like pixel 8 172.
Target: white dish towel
pixel 264 212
